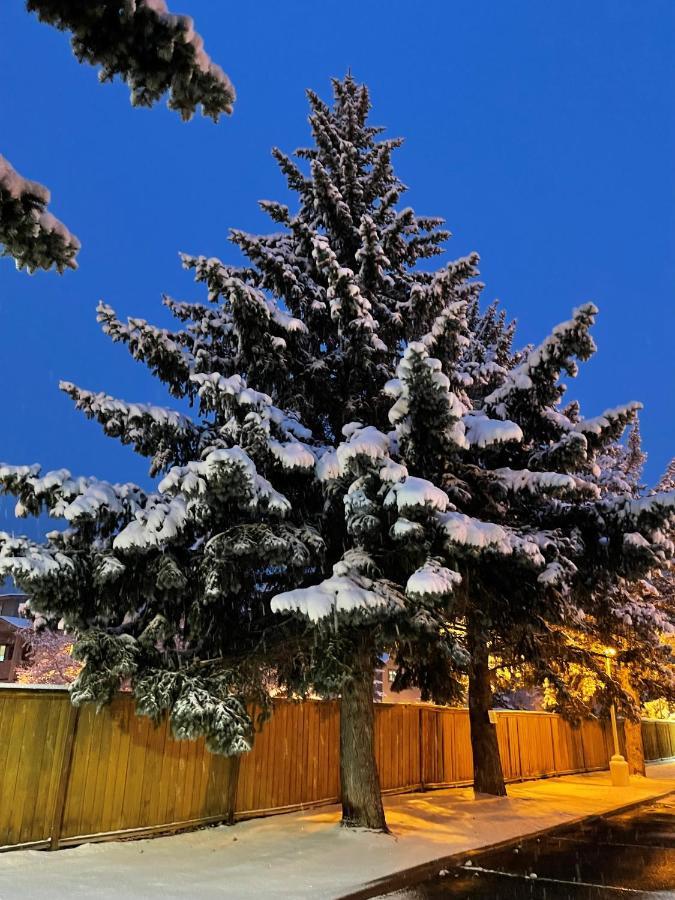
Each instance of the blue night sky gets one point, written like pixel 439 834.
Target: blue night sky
pixel 543 132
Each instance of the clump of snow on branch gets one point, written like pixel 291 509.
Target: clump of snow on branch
pixel 416 494
pixel 337 594
pixel 432 580
pixel 292 455
pixel 481 431
pixel 553 483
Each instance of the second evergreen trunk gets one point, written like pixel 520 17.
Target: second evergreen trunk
pixel 360 782
pixel 488 777
pixel 635 754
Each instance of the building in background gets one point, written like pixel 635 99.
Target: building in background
pixel 382 682
pixel 13 645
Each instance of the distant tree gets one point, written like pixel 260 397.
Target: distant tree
pixel 48 659
pixel 667 480
pixel 620 466
pixel 154 52
pixel 663 581
pixel 635 620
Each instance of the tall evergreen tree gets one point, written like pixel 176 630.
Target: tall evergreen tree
pixel 557 543
pixel 174 589
pixel 370 468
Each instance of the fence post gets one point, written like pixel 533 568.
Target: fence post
pixel 583 747
pixel 420 711
pixel 554 755
pixel 232 785
pixel 64 776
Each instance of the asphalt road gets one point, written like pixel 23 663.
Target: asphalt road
pixel 629 855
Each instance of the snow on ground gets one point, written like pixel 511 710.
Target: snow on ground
pixel 307 854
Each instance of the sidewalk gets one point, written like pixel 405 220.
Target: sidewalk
pixel 307 855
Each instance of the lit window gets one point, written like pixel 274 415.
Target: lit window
pixel 5 652
pixel 392 675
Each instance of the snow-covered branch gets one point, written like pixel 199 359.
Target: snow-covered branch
pixel 28 231
pixel 166 435
pixel 533 384
pixel 150 48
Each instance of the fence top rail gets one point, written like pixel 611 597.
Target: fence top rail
pixel 63 689
pixel 528 712
pixel 434 707
pixel 419 704
pixel 19 686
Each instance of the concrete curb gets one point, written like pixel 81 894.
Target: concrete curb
pixel 407 878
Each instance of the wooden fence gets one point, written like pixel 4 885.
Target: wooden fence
pixel 658 738
pixel 68 776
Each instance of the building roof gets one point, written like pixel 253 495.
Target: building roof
pixel 16 621
pixel 10 604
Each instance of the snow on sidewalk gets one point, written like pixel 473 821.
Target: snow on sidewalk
pixel 307 855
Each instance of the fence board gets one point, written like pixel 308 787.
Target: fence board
pixel 457 758
pixel 509 746
pixel 430 740
pixel 126 775
pixel 57 718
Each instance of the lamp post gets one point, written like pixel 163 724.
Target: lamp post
pixel 618 767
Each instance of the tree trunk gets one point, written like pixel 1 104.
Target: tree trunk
pixel 635 754
pixel 361 797
pixel 488 777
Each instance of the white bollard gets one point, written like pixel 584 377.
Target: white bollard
pixel 618 769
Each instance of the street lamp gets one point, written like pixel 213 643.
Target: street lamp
pixel 618 767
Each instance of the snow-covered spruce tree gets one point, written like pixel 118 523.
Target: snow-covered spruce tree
pixel 538 547
pixel 284 478
pixel 28 231
pixel 612 600
pixel 150 48
pixel 471 417
pixel 371 469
